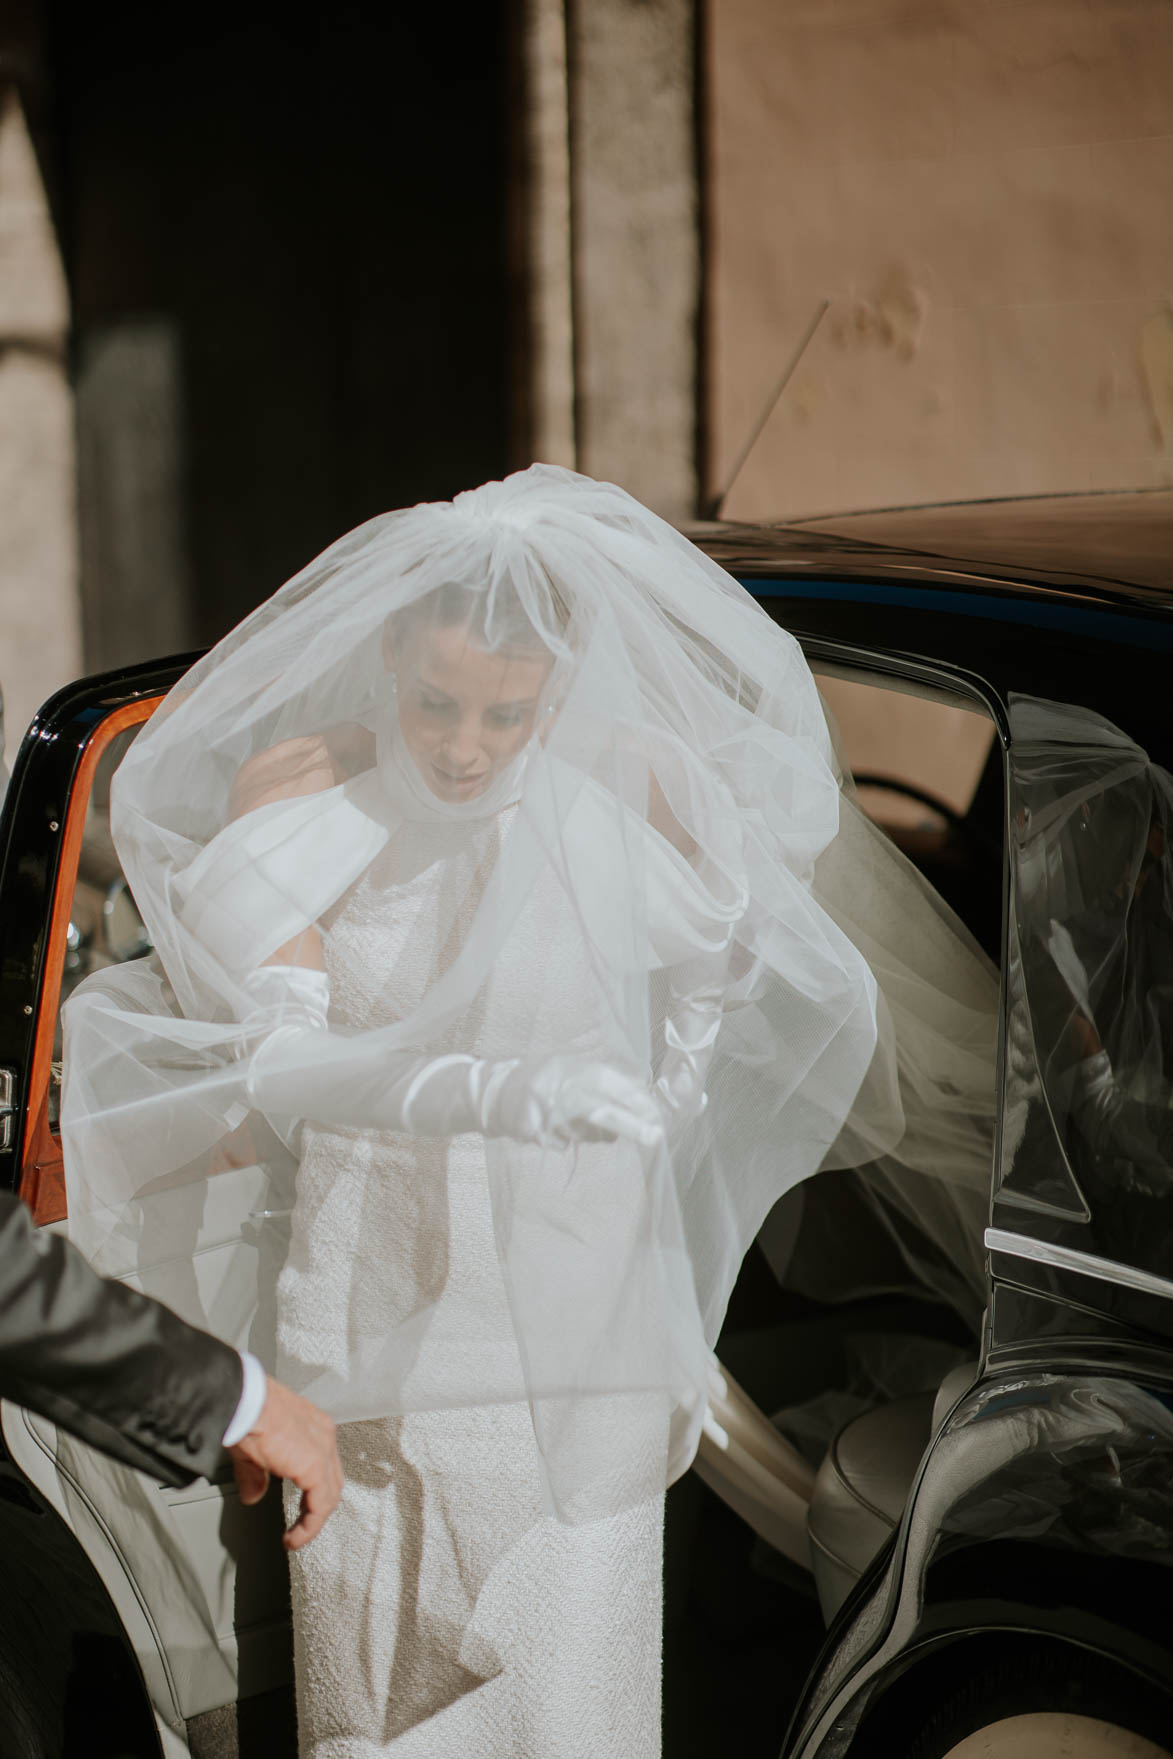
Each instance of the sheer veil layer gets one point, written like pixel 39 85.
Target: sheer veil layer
pixel 375 930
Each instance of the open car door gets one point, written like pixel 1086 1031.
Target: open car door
pixel 198 1584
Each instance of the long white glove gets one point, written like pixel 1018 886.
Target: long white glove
pixel 691 1024
pixel 550 1101
pixel 284 996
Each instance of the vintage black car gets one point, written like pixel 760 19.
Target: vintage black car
pixel 989 1521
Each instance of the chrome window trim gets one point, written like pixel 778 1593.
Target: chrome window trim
pixel 1105 1270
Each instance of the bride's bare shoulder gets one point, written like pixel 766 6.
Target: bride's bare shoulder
pixel 290 768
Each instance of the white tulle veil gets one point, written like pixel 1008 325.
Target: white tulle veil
pixel 669 821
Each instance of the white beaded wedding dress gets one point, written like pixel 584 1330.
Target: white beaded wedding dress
pixel 558 1653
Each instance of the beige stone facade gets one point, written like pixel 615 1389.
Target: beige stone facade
pixel 983 191
pixel 980 191
pixel 40 644
pixel 614 244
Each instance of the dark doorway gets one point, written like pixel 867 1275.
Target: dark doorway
pixel 285 236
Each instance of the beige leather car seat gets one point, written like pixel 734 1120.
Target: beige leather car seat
pixel 753 1469
pixel 863 1484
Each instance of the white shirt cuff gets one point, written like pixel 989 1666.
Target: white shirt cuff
pixel 253 1393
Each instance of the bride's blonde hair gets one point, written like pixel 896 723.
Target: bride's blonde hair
pixel 495 617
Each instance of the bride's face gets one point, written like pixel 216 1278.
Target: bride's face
pixel 465 712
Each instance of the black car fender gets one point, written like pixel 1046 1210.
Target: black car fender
pixel 1040 1513
pixel 70 1683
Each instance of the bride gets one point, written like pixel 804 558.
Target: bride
pixel 516 948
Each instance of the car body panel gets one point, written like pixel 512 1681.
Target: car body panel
pixel 1103 645
pixel 1042 1506
pixel 1101 548
pixel 70 1676
pixel 199 1585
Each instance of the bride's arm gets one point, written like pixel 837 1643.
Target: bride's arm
pixel 286 771
pixel 295 1069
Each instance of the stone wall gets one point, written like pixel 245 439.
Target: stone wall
pixel 612 224
pixel 982 191
pixel 40 645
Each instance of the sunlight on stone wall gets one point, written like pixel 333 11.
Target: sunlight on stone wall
pixel 39 619
pixel 982 192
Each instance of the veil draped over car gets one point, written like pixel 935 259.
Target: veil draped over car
pixel 667 877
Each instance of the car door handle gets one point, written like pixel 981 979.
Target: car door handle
pixel 7 1108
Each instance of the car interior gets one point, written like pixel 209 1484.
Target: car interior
pixel 818 1419
pixel 858 1387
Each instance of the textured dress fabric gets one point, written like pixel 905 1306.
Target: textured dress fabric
pixel 442 1611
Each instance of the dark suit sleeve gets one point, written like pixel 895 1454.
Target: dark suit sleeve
pixel 108 1364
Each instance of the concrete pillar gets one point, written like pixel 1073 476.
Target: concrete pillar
pixel 636 246
pixel 134 567
pixel 614 248
pixel 549 269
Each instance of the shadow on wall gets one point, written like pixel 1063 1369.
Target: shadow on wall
pixel 286 248
pixel 39 634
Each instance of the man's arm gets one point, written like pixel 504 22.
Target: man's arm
pixel 131 1378
pixel 105 1363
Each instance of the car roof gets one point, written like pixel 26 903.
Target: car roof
pixel 1106 547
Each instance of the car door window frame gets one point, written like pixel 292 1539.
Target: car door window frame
pixel 41 1162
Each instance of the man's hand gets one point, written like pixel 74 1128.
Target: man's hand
pixel 292 1439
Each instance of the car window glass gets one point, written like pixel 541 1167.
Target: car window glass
pixel 918 759
pixel 1088 1129
pixel 907 739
